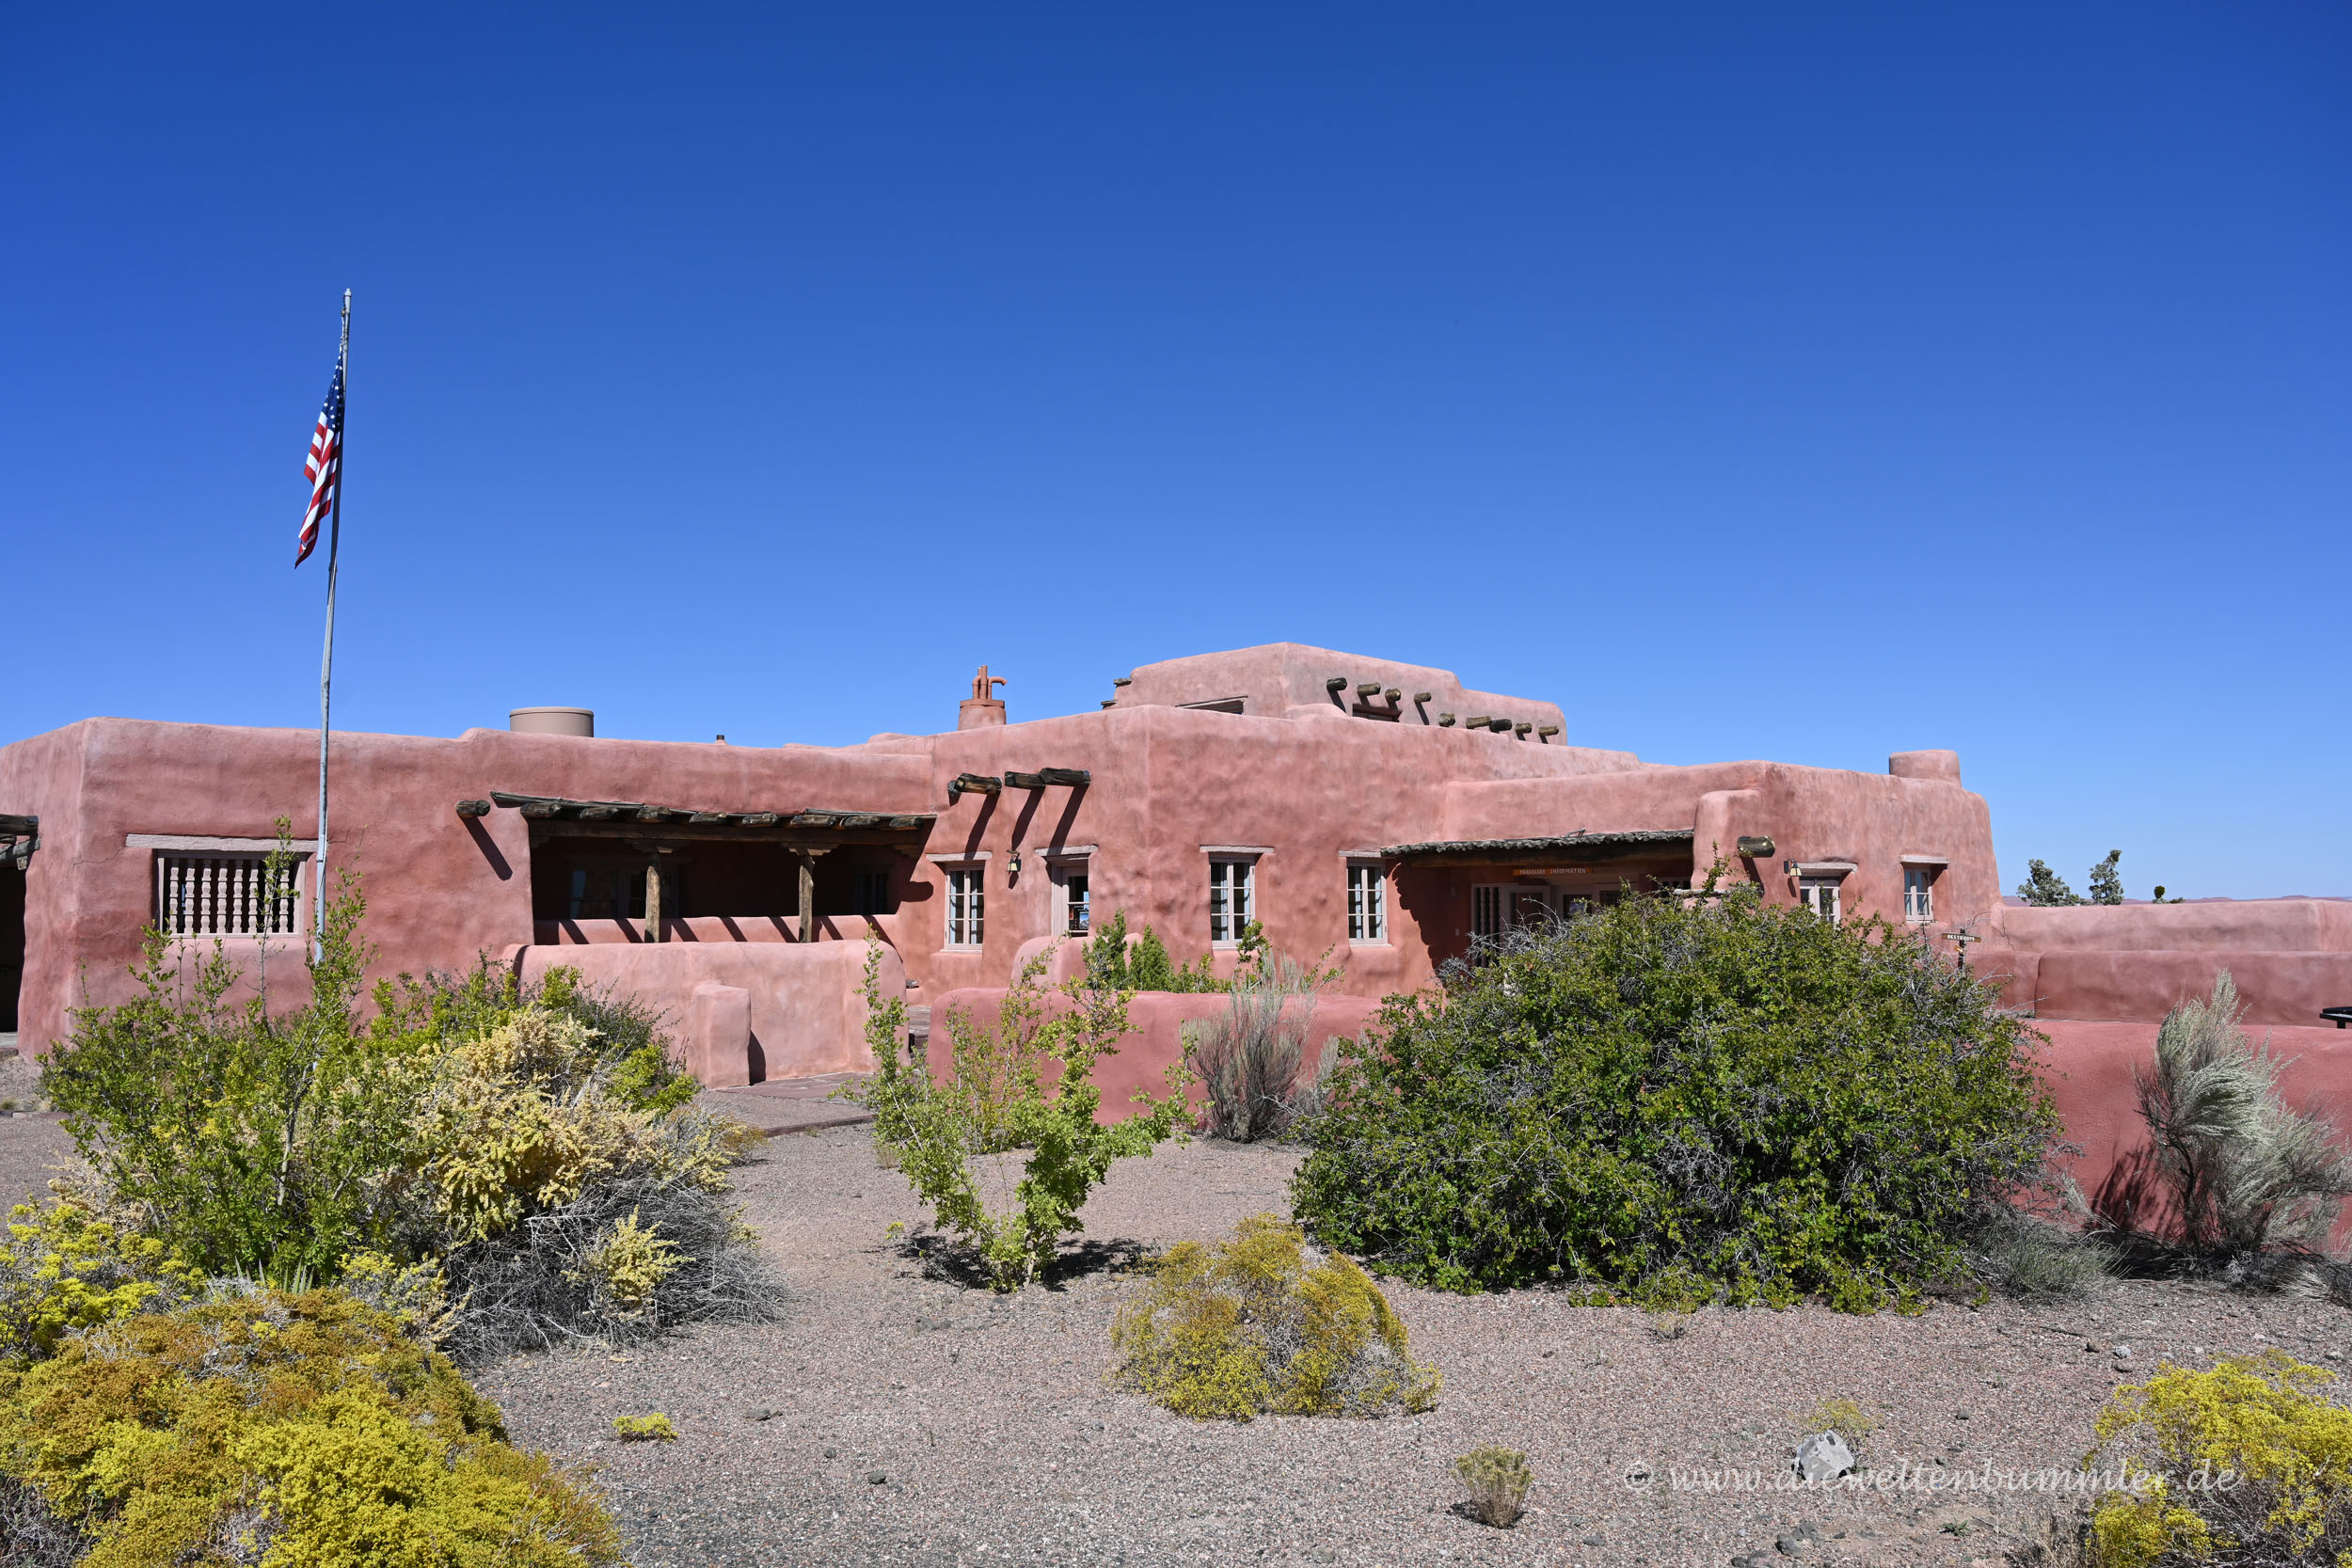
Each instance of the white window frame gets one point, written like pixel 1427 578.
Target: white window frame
pixel 1232 897
pixel 1919 895
pixel 1824 895
pixel 1367 902
pixel 968 906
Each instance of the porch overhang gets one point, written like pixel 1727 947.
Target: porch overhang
pixel 809 828
pixel 1568 850
pixel 19 837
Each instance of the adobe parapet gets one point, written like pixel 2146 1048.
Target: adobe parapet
pixel 1291 680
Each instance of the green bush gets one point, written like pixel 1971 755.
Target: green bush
pixel 537 1141
pixel 955 1137
pixel 258 1427
pixel 1681 1099
pixel 1112 965
pixel 1263 1324
pixel 1249 1060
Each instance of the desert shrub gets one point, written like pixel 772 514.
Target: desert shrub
pixel 1029 1088
pixel 2024 1254
pixel 1497 1480
pixel 558 1172
pixel 1264 1324
pixel 247 1142
pixel 1247 1061
pixel 2248 1463
pixel 2248 1174
pixel 310 1428
pixel 655 1427
pixel 1844 1416
pixel 1112 965
pixel 2106 880
pixel 1679 1098
pixel 65 1266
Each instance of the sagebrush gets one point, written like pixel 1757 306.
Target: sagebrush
pixel 2246 1172
pixel 1678 1098
pixel 1497 1480
pixel 1249 1060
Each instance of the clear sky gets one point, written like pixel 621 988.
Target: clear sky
pixel 1796 381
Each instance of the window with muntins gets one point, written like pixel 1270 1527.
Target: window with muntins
pixel 223 896
pixel 1232 886
pixel 1819 895
pixel 1918 893
pixel 1367 904
pixel 1489 909
pixel 965 903
pixel 1073 901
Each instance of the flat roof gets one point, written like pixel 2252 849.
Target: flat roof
pixel 1567 848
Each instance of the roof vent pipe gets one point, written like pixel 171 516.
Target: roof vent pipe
pixel 552 721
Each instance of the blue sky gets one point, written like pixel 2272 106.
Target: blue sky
pixel 1806 381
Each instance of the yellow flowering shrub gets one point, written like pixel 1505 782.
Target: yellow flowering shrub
pixel 525 1116
pixel 65 1266
pixel 655 1427
pixel 2250 1460
pixel 306 1430
pixel 1262 1323
pixel 630 1264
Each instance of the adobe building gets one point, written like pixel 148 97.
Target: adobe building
pixel 1380 810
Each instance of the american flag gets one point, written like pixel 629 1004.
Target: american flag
pixel 325 469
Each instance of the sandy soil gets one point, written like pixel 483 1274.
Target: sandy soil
pixel 900 1419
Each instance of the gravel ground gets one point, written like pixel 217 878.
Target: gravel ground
pixel 899 1418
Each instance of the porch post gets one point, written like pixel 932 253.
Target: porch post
pixel 808 893
pixel 653 899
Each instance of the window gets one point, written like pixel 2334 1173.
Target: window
pixel 1919 893
pixel 1232 886
pixel 1819 895
pixel 223 896
pixel 1367 904
pixel 1489 905
pixel 1073 903
pixel 965 901
pixel 618 892
pixel 871 893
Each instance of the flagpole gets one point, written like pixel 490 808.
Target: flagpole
pixel 326 659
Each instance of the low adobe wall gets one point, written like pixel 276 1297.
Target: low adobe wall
pixel 2088 1067
pixel 1157 1042
pixel 2279 989
pixel 800 1011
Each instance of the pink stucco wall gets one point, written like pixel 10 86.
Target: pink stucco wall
pixel 806 1009
pixel 1157 1043
pixel 2088 1070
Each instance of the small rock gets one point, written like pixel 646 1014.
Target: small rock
pixel 1960 1415
pixel 2198 1351
pixel 1791 1546
pixel 875 1477
pixel 1822 1457
pixel 1597 1539
pixel 757 1413
pixel 2123 1353
pixel 2335 1356
pixel 831 1453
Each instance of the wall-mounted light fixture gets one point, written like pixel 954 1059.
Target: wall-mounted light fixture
pixel 1012 866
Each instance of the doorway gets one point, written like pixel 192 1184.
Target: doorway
pixel 11 944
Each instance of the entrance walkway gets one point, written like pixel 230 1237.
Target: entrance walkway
pixel 789 1104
